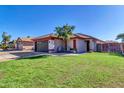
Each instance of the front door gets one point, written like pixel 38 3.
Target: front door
pixel 74 44
pixel 88 46
pixel 35 46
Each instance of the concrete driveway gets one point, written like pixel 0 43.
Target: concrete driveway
pixel 11 55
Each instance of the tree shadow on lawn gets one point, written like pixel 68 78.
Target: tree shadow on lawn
pixel 22 54
pixel 116 54
pixel 36 57
pixel 28 55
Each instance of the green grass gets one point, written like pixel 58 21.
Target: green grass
pixel 86 70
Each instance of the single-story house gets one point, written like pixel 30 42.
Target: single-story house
pixel 51 43
pixel 24 43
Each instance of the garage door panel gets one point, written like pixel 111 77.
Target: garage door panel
pixel 42 46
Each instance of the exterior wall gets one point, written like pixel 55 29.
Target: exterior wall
pixel 93 45
pixel 105 47
pixel 123 47
pixel 99 47
pixel 111 47
pixel 19 46
pixel 28 45
pixel 54 45
pixel 58 45
pixel 81 45
pixel 51 46
pixel 24 45
pixel 69 44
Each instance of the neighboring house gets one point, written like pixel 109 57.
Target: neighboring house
pixel 24 43
pixel 110 46
pixel 51 43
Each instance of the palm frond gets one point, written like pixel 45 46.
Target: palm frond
pixel 65 31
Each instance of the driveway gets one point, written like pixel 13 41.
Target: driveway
pixel 11 55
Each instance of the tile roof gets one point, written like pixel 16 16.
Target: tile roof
pixel 43 36
pixel 74 35
pixel 25 39
pixel 111 41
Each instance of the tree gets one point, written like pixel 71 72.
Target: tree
pixel 121 36
pixel 5 39
pixel 64 32
pixel 28 36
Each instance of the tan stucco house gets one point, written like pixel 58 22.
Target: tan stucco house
pixel 24 44
pixel 51 43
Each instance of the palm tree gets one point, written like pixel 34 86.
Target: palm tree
pixel 121 36
pixel 5 39
pixel 64 32
pixel 28 36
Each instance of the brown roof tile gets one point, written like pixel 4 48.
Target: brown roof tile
pixel 25 39
pixel 74 35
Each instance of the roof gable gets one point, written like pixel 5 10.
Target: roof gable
pixel 24 40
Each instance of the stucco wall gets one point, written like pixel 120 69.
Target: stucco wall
pixel 92 45
pixel 58 45
pixel 69 44
pixel 28 45
pixel 19 46
pixel 81 45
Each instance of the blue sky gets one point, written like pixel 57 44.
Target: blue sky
pixel 103 22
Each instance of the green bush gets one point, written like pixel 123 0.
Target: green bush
pixel 4 46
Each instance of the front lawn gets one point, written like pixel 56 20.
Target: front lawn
pixel 86 70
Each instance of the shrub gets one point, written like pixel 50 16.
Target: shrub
pixel 4 46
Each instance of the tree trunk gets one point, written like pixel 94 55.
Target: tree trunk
pixel 65 45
